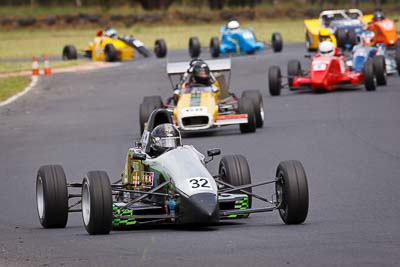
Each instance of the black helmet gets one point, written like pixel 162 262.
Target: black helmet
pixel 201 73
pixel 378 15
pixel 163 138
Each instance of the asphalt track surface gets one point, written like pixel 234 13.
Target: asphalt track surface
pixel 348 142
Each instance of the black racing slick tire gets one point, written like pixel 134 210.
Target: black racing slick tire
pixel 277 42
pixel 69 53
pixel 291 192
pixel 256 97
pixel 397 58
pixel 274 80
pixel 160 48
pixel 52 196
pixel 214 47
pixel 245 106
pixel 149 104
pixel 194 47
pixel 97 204
pixel 351 37
pixel 110 53
pixel 341 37
pixel 234 170
pixel 379 69
pixel 293 70
pixel 369 76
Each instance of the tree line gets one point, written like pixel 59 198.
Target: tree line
pixel 165 4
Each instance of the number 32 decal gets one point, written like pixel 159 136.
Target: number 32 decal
pixel 199 183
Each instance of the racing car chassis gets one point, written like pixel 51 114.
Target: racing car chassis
pixel 105 205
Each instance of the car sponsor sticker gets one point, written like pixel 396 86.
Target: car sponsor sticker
pixel 145 180
pixel 199 183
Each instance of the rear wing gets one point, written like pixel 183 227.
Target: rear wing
pixel 174 68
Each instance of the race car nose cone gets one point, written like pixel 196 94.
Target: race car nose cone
pixel 200 208
pixel 205 202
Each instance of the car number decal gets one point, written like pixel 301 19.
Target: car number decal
pixel 318 66
pixel 199 183
pixel 138 43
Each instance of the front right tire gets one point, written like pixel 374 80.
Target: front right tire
pixel 97 205
pixel 52 196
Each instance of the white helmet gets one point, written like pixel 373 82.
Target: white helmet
pixel 326 48
pixel 233 25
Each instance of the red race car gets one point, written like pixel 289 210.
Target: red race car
pixel 326 73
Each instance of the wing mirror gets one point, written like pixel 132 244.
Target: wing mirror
pixel 213 152
pixel 307 56
pixel 139 156
pixel 396 20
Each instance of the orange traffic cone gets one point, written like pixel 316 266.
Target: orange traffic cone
pixel 35 68
pixel 47 68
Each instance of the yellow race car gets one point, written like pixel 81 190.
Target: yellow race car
pixel 342 27
pixel 197 107
pixel 108 46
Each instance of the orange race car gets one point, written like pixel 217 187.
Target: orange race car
pixel 384 29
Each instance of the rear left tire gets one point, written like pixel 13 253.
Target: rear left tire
pixel 234 170
pixel 69 53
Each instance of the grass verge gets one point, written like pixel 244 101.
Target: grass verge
pixel 17 66
pixel 10 86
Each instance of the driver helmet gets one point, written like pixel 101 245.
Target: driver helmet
pixel 233 25
pixel 326 48
pixel 368 38
pixel 110 32
pixel 201 73
pixel 324 35
pixel 378 15
pixel 164 137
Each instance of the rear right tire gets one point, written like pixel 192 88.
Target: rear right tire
pixel 379 69
pixel 258 103
pixel 160 48
pixel 245 106
pixel 194 47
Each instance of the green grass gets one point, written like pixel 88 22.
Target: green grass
pixel 10 86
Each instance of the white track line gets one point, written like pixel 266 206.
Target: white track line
pixel 26 90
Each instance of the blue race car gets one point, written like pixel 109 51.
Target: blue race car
pixel 235 41
pixel 384 62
